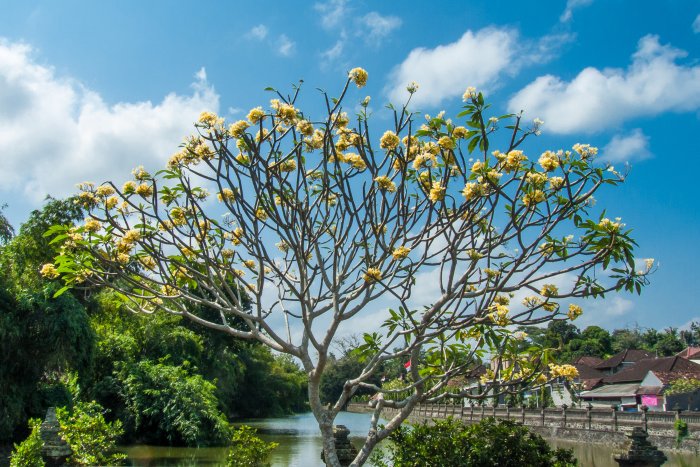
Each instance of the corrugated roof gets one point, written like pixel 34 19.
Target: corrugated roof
pixel 629 355
pixel 639 370
pixel 690 352
pixel 612 391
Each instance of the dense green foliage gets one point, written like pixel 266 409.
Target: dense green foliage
pixel 682 385
pixel 167 381
pixel 490 442
pixel 92 439
pixel 247 450
pixel 571 342
pixel 28 452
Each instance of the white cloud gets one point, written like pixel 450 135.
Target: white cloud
pixel 624 148
pixel 332 12
pixel 285 46
pixel 475 59
pixel 595 100
pixel 258 32
pixel 54 132
pixel 696 25
pixel 568 13
pixel 335 51
pixel 376 27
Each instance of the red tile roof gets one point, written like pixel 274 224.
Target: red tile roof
pixel 690 352
pixel 629 355
pixel 639 370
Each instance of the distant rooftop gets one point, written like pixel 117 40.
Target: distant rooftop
pixel 629 355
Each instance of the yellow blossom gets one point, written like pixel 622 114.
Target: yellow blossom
pixel 513 160
pixel 549 290
pixel 532 301
pixel 111 202
pixel 256 115
pixel 237 129
pixel 574 311
pixel 536 178
pixel 148 262
pixel 226 194
pixel 227 253
pixel 385 184
pixel 123 258
pixel 556 183
pixel 532 198
pixel 477 166
pixel 261 214
pixel 129 187
pixel 358 76
pixel 472 191
pixel 287 113
pixel 389 141
pixel 236 236
pixel 459 132
pixel 499 315
pixel 210 119
pixel 372 275
pixel 469 94
pixel 400 253
pixel 316 140
pixel 305 128
pixel 549 161
pixel 445 142
pixel 144 190
pixel 92 225
pixel 585 150
pixel 565 371
pixel 282 246
pixel 249 263
pixel 356 161
pixel 49 271
pixel 437 192
pixel 140 173
pixel 104 191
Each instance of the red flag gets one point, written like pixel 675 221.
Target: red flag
pixel 407 365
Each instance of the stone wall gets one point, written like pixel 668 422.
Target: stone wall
pixel 578 425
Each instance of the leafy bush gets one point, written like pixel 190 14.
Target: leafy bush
pixel 490 442
pixel 28 452
pixel 170 403
pixel 247 450
pixel 683 385
pixel 89 435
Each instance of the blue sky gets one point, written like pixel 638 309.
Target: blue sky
pixel 89 90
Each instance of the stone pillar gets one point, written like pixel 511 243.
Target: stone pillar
pixel 641 452
pixel 522 415
pixel 614 416
pixel 563 414
pixel 55 450
pixel 343 447
pixel 589 415
pixel 645 409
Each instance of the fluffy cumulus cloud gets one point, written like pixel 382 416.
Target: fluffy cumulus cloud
pixel 285 46
pixel 258 32
pixel 54 132
pixel 376 27
pixel 475 59
pixel 599 99
pixel 633 146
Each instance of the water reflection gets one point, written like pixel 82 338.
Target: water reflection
pixel 300 446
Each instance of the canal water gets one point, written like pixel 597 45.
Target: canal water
pixel 300 446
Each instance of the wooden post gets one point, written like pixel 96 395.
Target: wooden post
pixel 614 416
pixel 483 412
pixel 471 414
pixel 523 414
pixel 542 416
pixel 645 409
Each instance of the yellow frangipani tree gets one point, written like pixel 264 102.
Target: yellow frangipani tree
pixel 287 227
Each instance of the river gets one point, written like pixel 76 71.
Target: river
pixel 300 446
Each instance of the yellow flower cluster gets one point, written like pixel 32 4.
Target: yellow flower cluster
pixel 609 225
pixel 144 190
pixel 315 141
pixel 548 161
pixel 556 183
pixel 499 315
pixel 104 191
pixel 236 236
pixel 305 128
pixel 287 113
pixel 459 132
pixel 358 76
pixel 469 94
pixel 210 119
pixel 445 142
pixel 372 275
pixel 148 262
pixel 237 129
pixel 533 198
pixel 92 225
pixel 385 184
pixel 574 311
pixel 400 253
pixel 226 194
pixel 49 271
pixel 472 190
pixel 537 179
pixel 511 162
pixel 549 290
pixel 437 192
pixel 565 371
pixel 249 263
pixel 585 150
pixel 389 140
pixel 111 202
pixel 256 115
pixel 355 160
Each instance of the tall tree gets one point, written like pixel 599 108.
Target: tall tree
pixel 322 221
